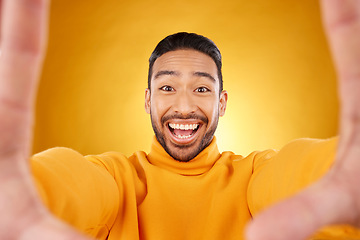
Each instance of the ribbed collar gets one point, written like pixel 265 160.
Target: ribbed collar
pixel 200 164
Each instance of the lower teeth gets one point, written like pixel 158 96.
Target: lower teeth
pixel 183 137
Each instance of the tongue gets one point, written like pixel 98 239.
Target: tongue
pixel 182 132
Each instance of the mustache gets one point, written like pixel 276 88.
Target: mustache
pixel 184 117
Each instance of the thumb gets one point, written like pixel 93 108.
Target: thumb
pixel 51 228
pixel 297 218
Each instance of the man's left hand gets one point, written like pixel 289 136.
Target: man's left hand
pixel 335 199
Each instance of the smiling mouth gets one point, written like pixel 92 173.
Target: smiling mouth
pixel 183 131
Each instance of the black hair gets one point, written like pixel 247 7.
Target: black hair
pixel 184 40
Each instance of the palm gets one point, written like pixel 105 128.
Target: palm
pixel 23 42
pixel 23 38
pixel 335 199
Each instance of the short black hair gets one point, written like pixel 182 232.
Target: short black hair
pixel 184 40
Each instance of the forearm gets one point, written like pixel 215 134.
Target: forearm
pixel 76 190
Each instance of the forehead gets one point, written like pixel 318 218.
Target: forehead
pixel 185 61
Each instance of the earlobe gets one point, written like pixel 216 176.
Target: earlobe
pixel 223 102
pixel 147 100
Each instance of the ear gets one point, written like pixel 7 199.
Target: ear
pixel 223 102
pixel 147 100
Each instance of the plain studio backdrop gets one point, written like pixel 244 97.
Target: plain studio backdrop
pixel 276 68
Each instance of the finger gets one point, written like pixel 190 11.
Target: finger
pixel 50 228
pixel 337 13
pixel 22 214
pixel 24 31
pixel 342 23
pixel 341 20
pixel 299 217
pixel 1 7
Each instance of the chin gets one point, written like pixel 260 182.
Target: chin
pixel 184 150
pixel 185 153
pixel 181 153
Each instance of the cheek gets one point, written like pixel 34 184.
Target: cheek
pixel 158 107
pixel 210 108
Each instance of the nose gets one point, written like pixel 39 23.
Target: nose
pixel 184 103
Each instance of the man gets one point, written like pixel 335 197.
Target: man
pixel 185 100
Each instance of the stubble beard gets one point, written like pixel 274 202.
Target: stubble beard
pixel 183 153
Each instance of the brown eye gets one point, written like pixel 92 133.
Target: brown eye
pixel 167 88
pixel 202 90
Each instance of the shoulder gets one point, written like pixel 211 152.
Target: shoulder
pixel 57 152
pixel 300 152
pixel 115 162
pixel 310 145
pixel 67 158
pixel 58 157
pixel 295 166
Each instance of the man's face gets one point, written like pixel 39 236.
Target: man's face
pixel 184 102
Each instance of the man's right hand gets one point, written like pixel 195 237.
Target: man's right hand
pixel 23 42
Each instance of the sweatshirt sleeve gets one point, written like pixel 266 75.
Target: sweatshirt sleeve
pixel 296 166
pixel 76 190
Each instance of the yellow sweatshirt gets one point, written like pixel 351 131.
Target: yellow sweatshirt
pixel 156 197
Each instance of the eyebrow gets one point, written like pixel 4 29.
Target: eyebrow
pixel 205 74
pixel 175 73
pixel 166 72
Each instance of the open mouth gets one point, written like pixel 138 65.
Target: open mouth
pixel 183 131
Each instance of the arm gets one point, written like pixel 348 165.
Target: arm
pixel 77 190
pixel 335 199
pixel 23 43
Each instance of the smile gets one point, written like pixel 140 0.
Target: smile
pixel 183 130
pixel 183 133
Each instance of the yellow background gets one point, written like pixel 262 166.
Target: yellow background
pixel 277 70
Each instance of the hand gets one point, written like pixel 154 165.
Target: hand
pixel 335 199
pixel 23 42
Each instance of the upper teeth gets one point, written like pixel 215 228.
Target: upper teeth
pixel 183 126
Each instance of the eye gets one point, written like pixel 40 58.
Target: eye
pixel 167 88
pixel 202 89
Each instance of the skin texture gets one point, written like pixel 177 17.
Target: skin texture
pixel 185 90
pixel 333 199
pixel 23 42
